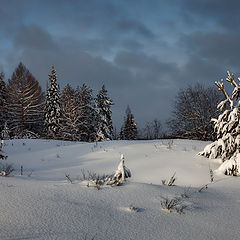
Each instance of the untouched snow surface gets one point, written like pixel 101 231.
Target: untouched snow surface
pixel 42 204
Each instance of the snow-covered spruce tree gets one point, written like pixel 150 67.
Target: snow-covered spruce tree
pixel 104 116
pixel 25 102
pixel 70 114
pixel 52 107
pixel 227 127
pixel 129 128
pixel 87 114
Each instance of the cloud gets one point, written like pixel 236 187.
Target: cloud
pixel 143 51
pixel 137 27
pixel 224 14
pixel 34 37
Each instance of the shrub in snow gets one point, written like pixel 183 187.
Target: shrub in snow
pixel 227 127
pixel 6 169
pixel 173 204
pixel 170 182
pixel 121 174
pixel 117 178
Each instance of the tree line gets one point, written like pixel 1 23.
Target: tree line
pixel 71 114
pixel 76 114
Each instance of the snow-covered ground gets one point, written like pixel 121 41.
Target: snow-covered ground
pixel 42 204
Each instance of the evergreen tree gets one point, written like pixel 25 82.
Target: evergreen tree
pixel 227 127
pixel 87 114
pixel 70 114
pixel 24 102
pixel 3 96
pixel 52 107
pixel 104 115
pixel 129 128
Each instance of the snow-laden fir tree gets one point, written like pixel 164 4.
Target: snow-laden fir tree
pixel 87 114
pixel 129 128
pixel 227 127
pixel 104 115
pixel 52 107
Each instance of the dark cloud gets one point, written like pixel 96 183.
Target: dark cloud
pixel 132 44
pixel 135 26
pixel 223 13
pixel 34 37
pixel 214 48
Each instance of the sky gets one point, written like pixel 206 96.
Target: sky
pixel 144 51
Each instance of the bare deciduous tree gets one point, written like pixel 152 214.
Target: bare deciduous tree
pixel 193 109
pixel 152 130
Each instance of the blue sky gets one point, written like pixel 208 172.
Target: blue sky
pixel 143 51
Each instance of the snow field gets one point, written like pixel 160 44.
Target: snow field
pixel 46 206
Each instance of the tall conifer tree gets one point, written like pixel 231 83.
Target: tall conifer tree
pixel 129 128
pixel 104 115
pixel 87 114
pixel 52 107
pixel 24 102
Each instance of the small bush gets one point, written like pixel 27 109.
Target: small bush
pixel 170 182
pixel 173 204
pixel 6 169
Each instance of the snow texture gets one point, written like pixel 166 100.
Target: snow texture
pixel 42 204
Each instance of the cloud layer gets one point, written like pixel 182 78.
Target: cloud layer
pixel 144 51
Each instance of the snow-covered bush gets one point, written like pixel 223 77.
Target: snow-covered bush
pixel 121 173
pixel 95 180
pixel 227 127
